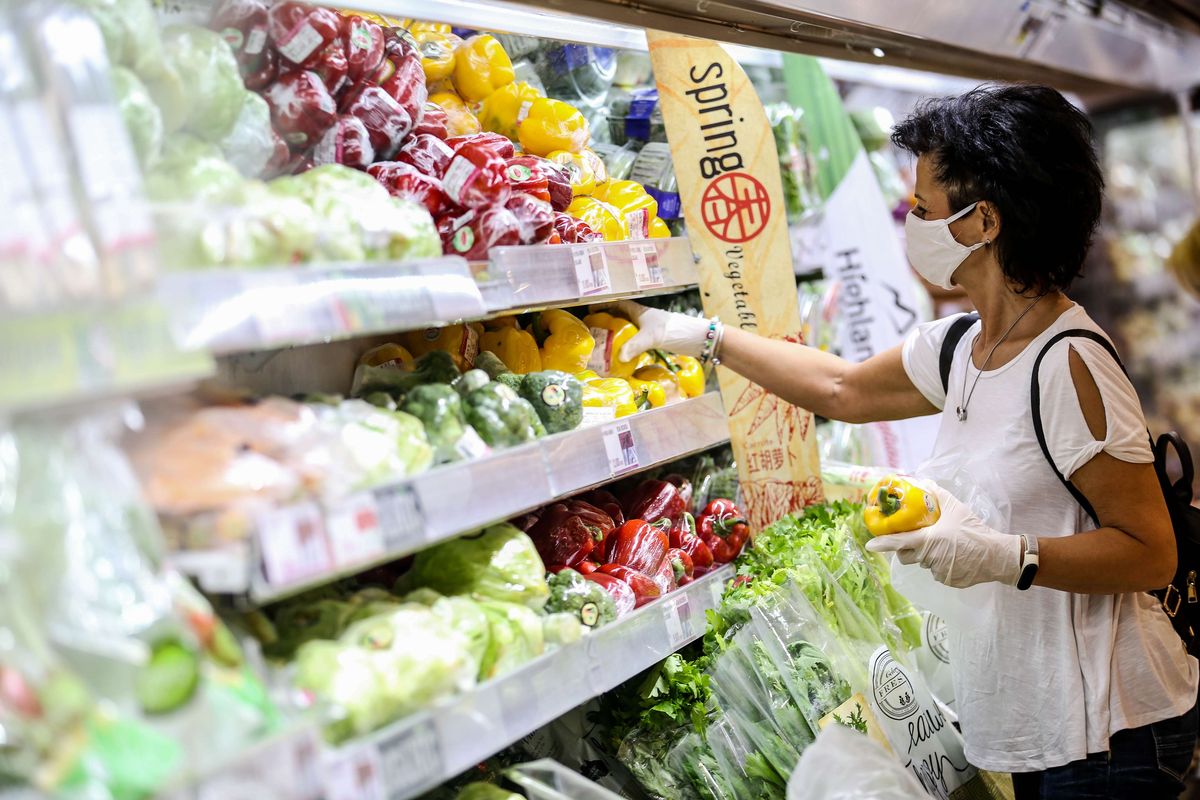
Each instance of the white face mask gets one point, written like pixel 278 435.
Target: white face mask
pixel 932 249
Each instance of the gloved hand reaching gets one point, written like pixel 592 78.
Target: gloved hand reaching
pixel 959 549
pixel 666 330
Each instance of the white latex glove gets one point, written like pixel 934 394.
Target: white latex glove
pixel 959 549
pixel 675 333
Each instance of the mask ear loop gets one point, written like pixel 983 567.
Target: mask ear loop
pixel 960 215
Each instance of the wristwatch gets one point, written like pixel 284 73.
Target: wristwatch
pixel 1029 562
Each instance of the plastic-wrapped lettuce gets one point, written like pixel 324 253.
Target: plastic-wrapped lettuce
pixel 499 563
pixel 130 33
pixel 251 142
pixel 371 445
pixel 214 93
pixel 516 637
pixel 465 617
pixel 142 118
pixel 191 170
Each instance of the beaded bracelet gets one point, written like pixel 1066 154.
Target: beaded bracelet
pixel 712 341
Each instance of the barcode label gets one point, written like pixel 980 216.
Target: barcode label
pixel 410 758
pixel 646 269
pixel 591 271
pixel 354 531
pixel 620 447
pixel 400 518
pixel 355 774
pixel 294 544
pixel 677 612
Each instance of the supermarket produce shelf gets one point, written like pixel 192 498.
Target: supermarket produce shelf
pixel 422 751
pixel 90 353
pixel 523 278
pixel 292 548
pixel 225 311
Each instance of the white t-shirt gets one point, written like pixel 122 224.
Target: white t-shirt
pixel 1047 676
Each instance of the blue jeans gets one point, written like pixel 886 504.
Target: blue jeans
pixel 1146 763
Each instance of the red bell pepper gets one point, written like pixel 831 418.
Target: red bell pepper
pixel 567 532
pixel 664 577
pixel 653 500
pixel 684 486
pixel 587 567
pixel 723 528
pixel 618 589
pixel 700 553
pixel 640 545
pixel 681 564
pixel 607 502
pixel 683 530
pixel 644 588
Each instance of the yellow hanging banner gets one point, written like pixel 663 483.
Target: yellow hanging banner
pixel 732 197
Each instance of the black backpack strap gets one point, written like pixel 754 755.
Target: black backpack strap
pixel 958 329
pixel 1035 403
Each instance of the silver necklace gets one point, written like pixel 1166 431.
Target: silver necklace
pixel 966 398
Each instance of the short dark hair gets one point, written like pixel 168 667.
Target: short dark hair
pixel 1027 150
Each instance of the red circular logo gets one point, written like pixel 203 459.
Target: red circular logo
pixel 735 207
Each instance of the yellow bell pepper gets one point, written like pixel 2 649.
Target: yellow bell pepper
pixel 460 341
pixel 687 370
pixel 579 172
pixel 659 229
pixel 614 393
pixel 637 207
pixel 505 108
pixel 567 343
pixel 437 53
pixel 387 355
pixel 603 218
pixel 599 168
pixel 460 121
pixel 895 505
pixel 649 394
pixel 515 347
pixel 437 27
pixel 553 125
pixel 611 333
pixel 481 67
pixel 500 322
pixel 666 380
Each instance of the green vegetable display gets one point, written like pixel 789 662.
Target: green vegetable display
pixel 436 366
pixel 471 380
pixel 501 417
pixel 215 92
pixel 556 397
pixel 571 593
pixel 500 563
pixel 142 117
pixel 440 409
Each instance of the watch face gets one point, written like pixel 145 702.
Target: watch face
pixel 1027 576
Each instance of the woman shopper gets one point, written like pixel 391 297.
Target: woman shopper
pixel 1077 684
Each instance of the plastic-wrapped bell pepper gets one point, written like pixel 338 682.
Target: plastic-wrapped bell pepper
pixel 649 394
pixel 701 553
pixel 459 119
pixel 685 488
pixel 607 393
pixel 653 500
pixel 567 343
pixel 387 355
pixel 579 172
pixel 659 229
pixel 599 168
pixel 587 567
pixel 611 334
pixel 603 218
pixel 437 53
pixel 636 206
pixel 607 502
pixel 552 125
pixel 665 379
pixel 664 576
pixel 515 347
pixel 895 505
pixel 682 565
pixel 723 528
pixel 499 323
pixel 640 545
pixel 504 109
pixel 460 341
pixel 644 587
pixel 688 371
pixel 570 531
pixel 416 26
pixel 481 67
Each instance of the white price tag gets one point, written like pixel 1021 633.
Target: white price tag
pixel 597 415
pixel 591 270
pixel 400 518
pixel 410 758
pixel 646 269
pixel 354 774
pixel 677 613
pixel 471 446
pixel 621 448
pixel 293 542
pixel 222 571
pixel 354 530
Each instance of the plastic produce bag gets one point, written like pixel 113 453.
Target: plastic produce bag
pixel 517 637
pixel 141 115
pixel 499 563
pixel 844 765
pixel 369 445
pixel 251 142
pixel 214 94
pixel 439 407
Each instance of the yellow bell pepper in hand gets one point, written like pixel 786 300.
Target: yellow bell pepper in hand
pixel 504 108
pixel 460 341
pixel 515 347
pixel 553 125
pixel 459 119
pixel 603 218
pixel 567 343
pixel 579 172
pixel 437 53
pixel 481 67
pixel 614 393
pixel 665 378
pixel 611 333
pixel 637 207
pixel 895 505
pixel 387 355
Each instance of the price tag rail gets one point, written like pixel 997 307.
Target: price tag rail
pixel 306 544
